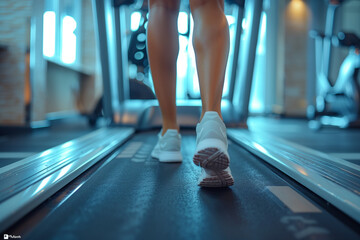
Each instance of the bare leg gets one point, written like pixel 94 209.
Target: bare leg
pixel 163 48
pixel 211 44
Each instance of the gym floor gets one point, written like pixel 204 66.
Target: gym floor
pixel 16 146
pixel 343 143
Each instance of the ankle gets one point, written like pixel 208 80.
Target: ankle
pixel 203 113
pixel 167 127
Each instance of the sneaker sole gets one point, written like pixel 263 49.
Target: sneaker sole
pixel 211 158
pixel 221 179
pixel 169 156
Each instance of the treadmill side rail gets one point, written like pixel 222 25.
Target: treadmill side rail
pixel 27 183
pixel 333 179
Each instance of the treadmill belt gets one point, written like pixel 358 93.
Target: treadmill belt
pixel 134 196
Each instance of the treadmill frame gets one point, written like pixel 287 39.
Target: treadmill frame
pixel 117 103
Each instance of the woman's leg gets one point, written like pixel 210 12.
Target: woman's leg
pixel 211 44
pixel 163 48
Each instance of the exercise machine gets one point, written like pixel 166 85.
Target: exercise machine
pixel 338 103
pixel 105 185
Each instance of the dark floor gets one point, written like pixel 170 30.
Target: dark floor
pixel 16 146
pixel 343 143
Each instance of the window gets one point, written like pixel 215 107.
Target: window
pixel 49 33
pixel 61 31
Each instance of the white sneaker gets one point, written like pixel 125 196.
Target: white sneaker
pixel 210 178
pixel 167 148
pixel 212 152
pixel 211 143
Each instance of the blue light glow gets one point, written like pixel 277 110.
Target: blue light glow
pixel 135 21
pixel 49 28
pixel 183 23
pixel 68 43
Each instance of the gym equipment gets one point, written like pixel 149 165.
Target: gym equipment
pixel 336 104
pixel 137 52
pixel 137 55
pixel 113 48
pixel 105 185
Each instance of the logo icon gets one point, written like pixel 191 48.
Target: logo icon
pixel 6 236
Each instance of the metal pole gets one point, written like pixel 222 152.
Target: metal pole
pixel 100 29
pixel 121 56
pixel 234 67
pixel 327 46
pixel 242 90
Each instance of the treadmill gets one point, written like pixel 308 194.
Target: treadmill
pixel 105 185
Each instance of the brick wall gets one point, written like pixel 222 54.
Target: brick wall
pixel 14 35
